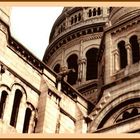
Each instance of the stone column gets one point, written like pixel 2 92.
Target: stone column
pixel 79 71
pixel 82 70
pixel 116 62
pixel 67 21
pixel 84 67
pixel 129 53
pixel 59 86
pixel 63 63
pixel 84 15
pixel 21 116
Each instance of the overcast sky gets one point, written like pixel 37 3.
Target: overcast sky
pixel 31 26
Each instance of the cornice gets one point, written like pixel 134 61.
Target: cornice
pixel 121 26
pixel 81 24
pixel 72 35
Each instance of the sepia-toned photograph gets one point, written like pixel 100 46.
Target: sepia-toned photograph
pixel 69 70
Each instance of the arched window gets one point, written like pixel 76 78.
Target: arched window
pixel 127 115
pixel 72 64
pixel 3 103
pixel 71 20
pixel 94 12
pixel 79 17
pixel 57 68
pixel 91 64
pixel 27 120
pixel 123 54
pixel 75 18
pixel 16 104
pixel 99 11
pixel 90 13
pixel 135 49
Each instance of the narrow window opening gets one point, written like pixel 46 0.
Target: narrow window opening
pixel 79 17
pixel 90 13
pixel 3 103
pixel 135 49
pixel 123 54
pixel 94 12
pixel 75 18
pixel 91 64
pixel 72 64
pixel 99 11
pixel 27 120
pixel 15 110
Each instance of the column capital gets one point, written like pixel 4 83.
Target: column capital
pixel 128 46
pixel 129 53
pixel 116 51
pixel 63 68
pixel 82 60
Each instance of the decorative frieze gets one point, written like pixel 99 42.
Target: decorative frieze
pixel 121 28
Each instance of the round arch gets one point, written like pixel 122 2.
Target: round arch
pixel 96 46
pixel 6 88
pixel 17 86
pixel 72 63
pixel 67 55
pixel 108 109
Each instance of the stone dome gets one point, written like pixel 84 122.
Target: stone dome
pixel 73 18
pixel 120 14
pixel 74 43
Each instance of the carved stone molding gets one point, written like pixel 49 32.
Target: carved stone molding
pixel 3 28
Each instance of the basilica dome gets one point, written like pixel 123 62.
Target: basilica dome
pixel 121 14
pixel 74 43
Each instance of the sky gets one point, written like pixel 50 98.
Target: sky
pixel 31 26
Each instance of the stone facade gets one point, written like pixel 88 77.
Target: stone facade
pixel 32 99
pixel 88 81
